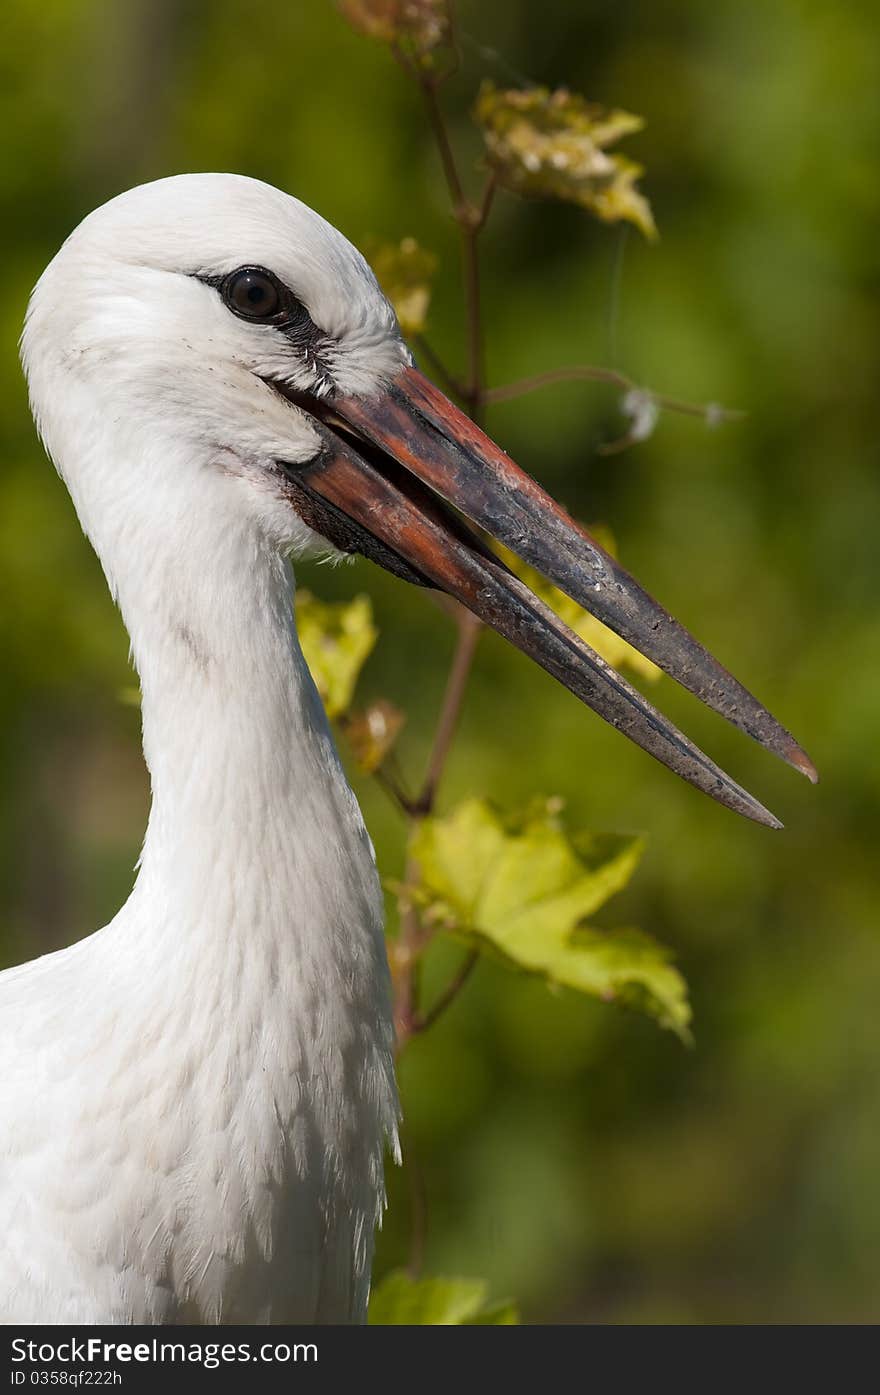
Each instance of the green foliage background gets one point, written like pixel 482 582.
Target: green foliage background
pixel 575 1156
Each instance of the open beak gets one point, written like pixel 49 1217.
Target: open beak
pixel 390 467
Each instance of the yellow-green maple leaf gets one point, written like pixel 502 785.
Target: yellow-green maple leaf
pixel 336 639
pixel 523 888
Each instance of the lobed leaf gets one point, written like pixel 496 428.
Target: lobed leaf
pixel 401 1301
pixel 336 639
pixel 522 888
pixel 552 144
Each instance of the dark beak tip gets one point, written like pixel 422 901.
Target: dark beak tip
pixel 758 813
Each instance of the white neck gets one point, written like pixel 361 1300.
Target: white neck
pixel 242 992
pixel 247 788
pixel 245 778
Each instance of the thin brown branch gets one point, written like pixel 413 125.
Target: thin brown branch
pixel 469 628
pixel 711 412
pixel 619 444
pixel 450 381
pixel 454 38
pixel 429 84
pixel 449 994
pixel 471 219
pixel 578 373
pixel 475 365
pixel 413 937
pixel 487 201
pixel 393 788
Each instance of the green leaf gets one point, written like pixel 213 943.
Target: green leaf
pixel 401 1301
pixel 336 639
pixel 521 889
pixel 614 650
pixel 405 271
pixel 547 144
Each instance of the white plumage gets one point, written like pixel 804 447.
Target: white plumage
pixel 195 1100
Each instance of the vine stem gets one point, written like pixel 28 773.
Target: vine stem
pixel 451 382
pixel 471 218
pixel 468 634
pixel 429 84
pixel 449 994
pixel 587 372
pixel 406 954
pixel 580 372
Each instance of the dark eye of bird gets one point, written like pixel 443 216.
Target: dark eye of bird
pixel 254 294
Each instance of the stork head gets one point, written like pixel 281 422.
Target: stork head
pixel 208 343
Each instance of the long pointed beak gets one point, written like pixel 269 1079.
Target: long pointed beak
pixel 390 466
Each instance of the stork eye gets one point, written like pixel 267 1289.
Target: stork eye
pixel 254 294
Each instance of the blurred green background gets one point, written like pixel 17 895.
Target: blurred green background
pixel 574 1155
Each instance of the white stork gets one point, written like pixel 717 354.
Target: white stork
pixel 196 1099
